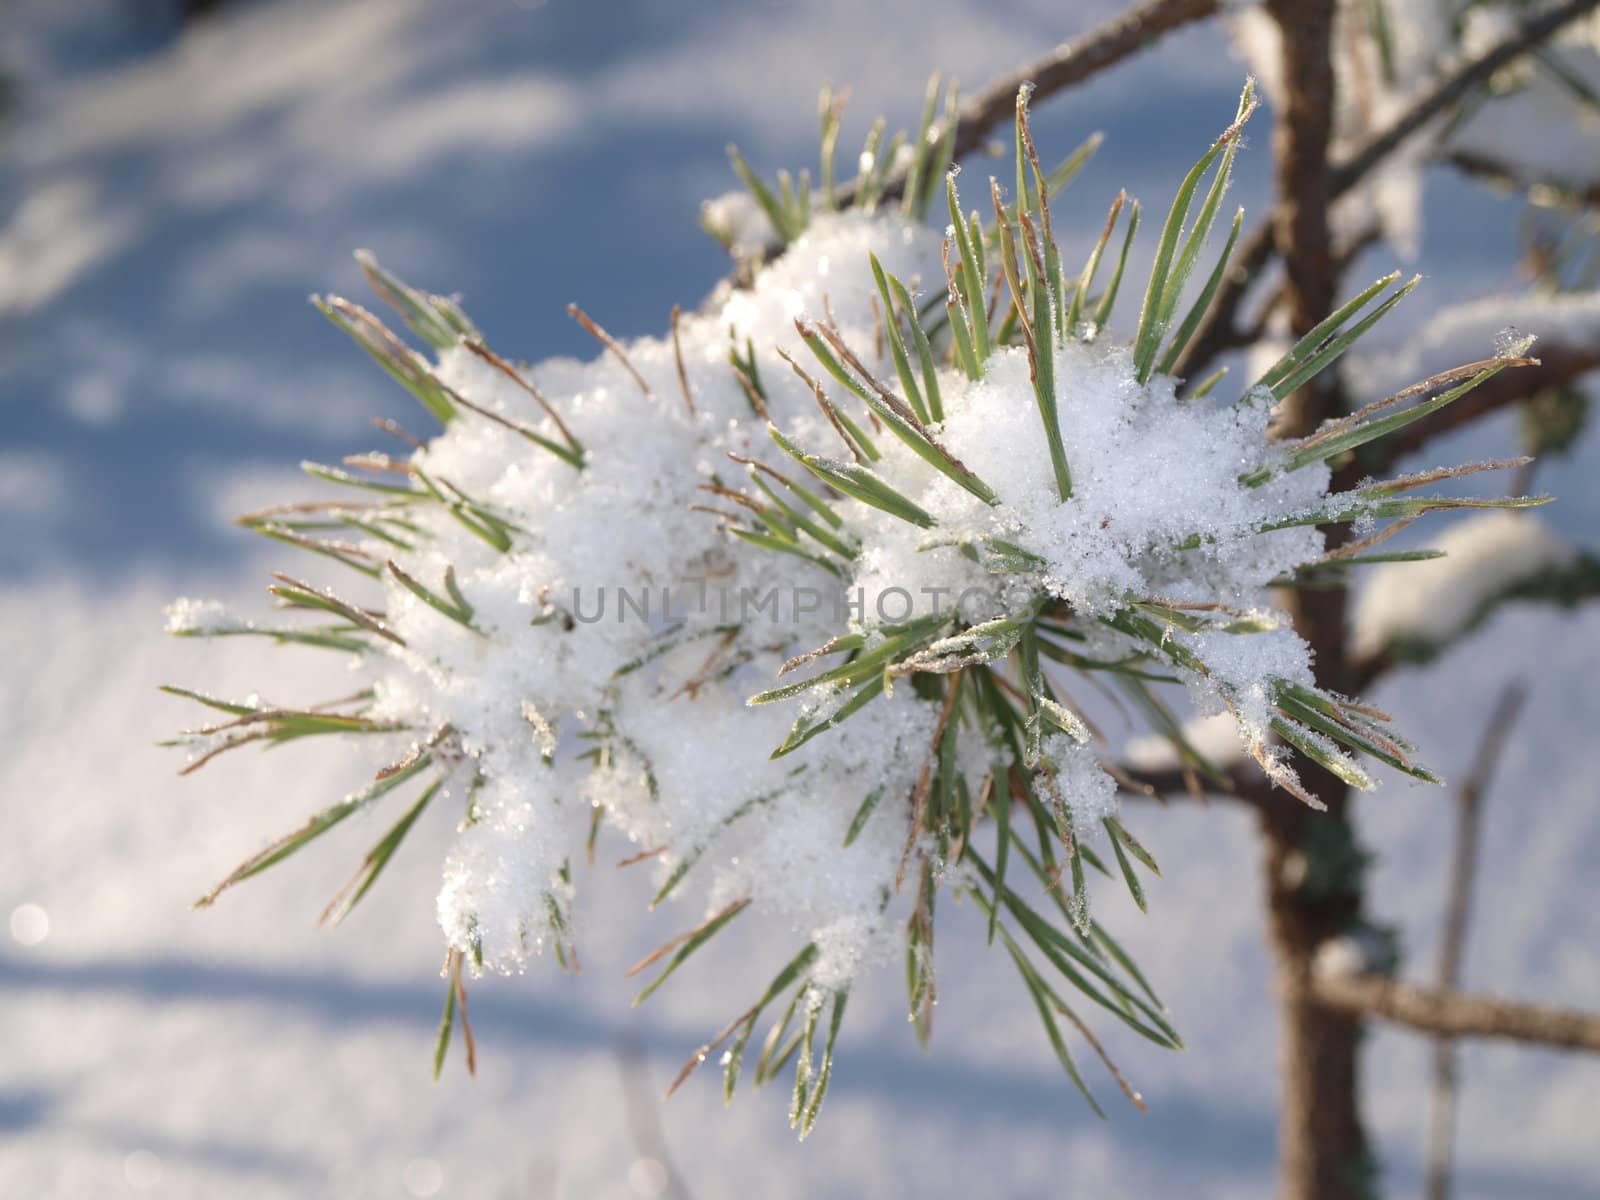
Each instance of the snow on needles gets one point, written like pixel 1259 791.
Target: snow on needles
pixel 1151 475
pixel 615 568
pixel 593 585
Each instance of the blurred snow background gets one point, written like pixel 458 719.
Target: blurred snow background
pixel 167 199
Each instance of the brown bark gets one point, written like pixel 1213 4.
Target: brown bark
pixel 1221 329
pixel 1243 783
pixel 1457 1014
pixel 1068 64
pixel 1322 1146
pixel 1559 363
pixel 1074 61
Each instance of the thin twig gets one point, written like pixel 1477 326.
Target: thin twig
pixel 1068 64
pixel 1219 331
pixel 1452 946
pixel 1453 87
pixel 644 1121
pixel 1444 1013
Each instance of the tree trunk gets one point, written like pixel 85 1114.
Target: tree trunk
pixel 1322 1147
pixel 1312 867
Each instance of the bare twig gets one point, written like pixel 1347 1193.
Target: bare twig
pixel 1300 141
pixel 1444 1013
pixel 644 1123
pixel 1458 910
pixel 1472 163
pixel 1244 783
pixel 1068 64
pixel 1219 331
pixel 1559 363
pixel 1072 62
pixel 1453 87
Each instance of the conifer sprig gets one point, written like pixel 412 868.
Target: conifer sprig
pixel 1002 795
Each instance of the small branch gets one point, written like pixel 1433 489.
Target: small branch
pixel 1245 784
pixel 1490 748
pixel 1445 1013
pixel 1585 195
pixel 1452 947
pixel 1565 586
pixel 1218 333
pixel 1073 62
pixel 1343 257
pixel 1558 364
pixel 1068 64
pixel 1453 87
pixel 1301 139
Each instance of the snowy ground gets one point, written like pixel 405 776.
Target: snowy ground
pixel 164 215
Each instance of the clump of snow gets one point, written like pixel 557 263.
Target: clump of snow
pixel 1192 536
pixel 188 616
pixel 1361 951
pixel 602 631
pixel 1159 511
pixel 1432 601
pixel 1077 782
pixel 739 223
pixel 496 864
pixel 621 617
pixel 1243 673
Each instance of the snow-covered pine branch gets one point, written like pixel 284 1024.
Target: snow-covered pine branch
pixel 796 596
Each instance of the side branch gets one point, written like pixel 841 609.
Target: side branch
pixel 1068 64
pixel 1220 331
pixel 1073 62
pixel 1453 87
pixel 1559 363
pixel 1564 586
pixel 1453 944
pixel 1457 1014
pixel 1496 171
pixel 1243 784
